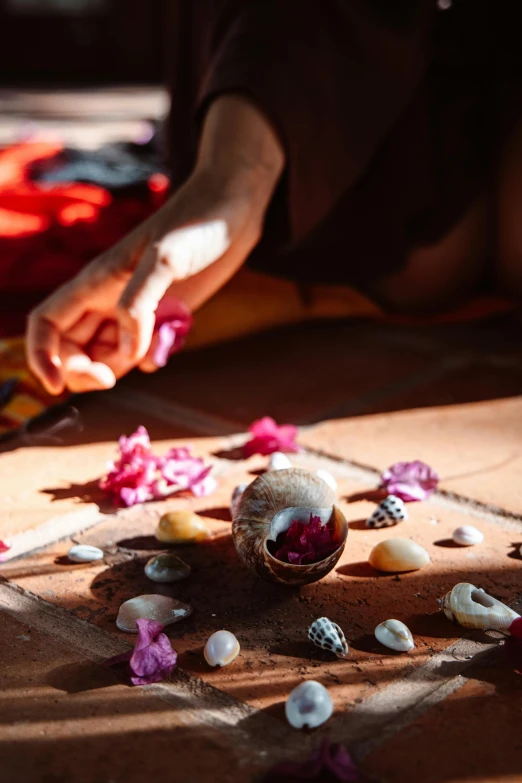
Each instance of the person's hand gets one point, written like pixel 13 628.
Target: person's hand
pixel 100 325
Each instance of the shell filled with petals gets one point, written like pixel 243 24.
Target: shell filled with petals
pixel 267 508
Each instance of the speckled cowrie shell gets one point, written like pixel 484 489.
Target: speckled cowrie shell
pixel 390 511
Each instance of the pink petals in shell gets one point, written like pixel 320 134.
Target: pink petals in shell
pixel 3 549
pixel 410 481
pixel 268 437
pixel 330 762
pixel 139 475
pixel 304 544
pixel 152 658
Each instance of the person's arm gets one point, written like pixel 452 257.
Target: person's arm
pixel 195 243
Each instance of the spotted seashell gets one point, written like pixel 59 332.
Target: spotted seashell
pixel 389 512
pixel 328 635
pixel 161 608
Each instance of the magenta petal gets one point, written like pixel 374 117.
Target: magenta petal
pixel 173 323
pixel 515 629
pixel 328 762
pixel 4 547
pixel 268 437
pixel 153 658
pixel 410 481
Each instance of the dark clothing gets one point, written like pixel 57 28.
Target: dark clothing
pixel 391 113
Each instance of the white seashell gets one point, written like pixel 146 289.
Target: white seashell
pixel 82 553
pixel 237 494
pixel 471 607
pixel 329 636
pixel 390 511
pixel 221 648
pixel 309 705
pixel 278 461
pixel 325 475
pixel 398 554
pixel 467 535
pixel 161 608
pixel 395 635
pixel 167 568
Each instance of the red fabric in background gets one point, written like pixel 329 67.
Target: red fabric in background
pixel 49 232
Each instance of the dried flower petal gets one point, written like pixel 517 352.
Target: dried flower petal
pixel 268 437
pixel 303 544
pixel 138 475
pixel 410 480
pixel 330 762
pixel 3 549
pixel 152 658
pixel 173 323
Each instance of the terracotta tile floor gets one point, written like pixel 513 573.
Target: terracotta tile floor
pixel 449 711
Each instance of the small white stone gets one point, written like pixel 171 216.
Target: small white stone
pixel 327 477
pixel 83 553
pixel 395 635
pixel 279 461
pixel 467 535
pixel 221 648
pixel 309 705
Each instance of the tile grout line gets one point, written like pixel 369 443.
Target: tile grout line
pixel 201 703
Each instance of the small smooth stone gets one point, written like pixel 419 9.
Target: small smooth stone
pixel 82 553
pixel 327 477
pixel 467 535
pixel 221 648
pixel 309 705
pixel 161 608
pixel 181 527
pixel 395 635
pixel 279 461
pixel 167 568
pixel 398 554
pixel 237 494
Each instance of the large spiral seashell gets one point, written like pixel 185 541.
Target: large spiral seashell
pixel 471 607
pixel 267 508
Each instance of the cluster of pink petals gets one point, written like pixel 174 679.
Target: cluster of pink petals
pixel 330 762
pixel 268 437
pixel 173 323
pixel 410 480
pixel 304 544
pixel 513 645
pixel 152 659
pixel 139 475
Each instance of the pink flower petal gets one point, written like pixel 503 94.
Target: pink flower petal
pixel 173 323
pixel 139 475
pixel 330 761
pixel 268 437
pixel 4 547
pixel 303 544
pixel 410 481
pixel 152 659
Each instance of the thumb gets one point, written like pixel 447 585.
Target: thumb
pixel 180 255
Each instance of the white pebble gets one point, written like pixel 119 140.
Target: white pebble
pixel 467 535
pixel 309 705
pixel 327 477
pixel 221 648
pixel 279 461
pixel 82 553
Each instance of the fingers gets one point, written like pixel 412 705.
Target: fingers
pixel 180 255
pixel 81 373
pixel 43 357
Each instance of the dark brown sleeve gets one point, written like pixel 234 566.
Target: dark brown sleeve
pixel 332 75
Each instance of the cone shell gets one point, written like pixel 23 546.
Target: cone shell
pixel 471 607
pixel 301 493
